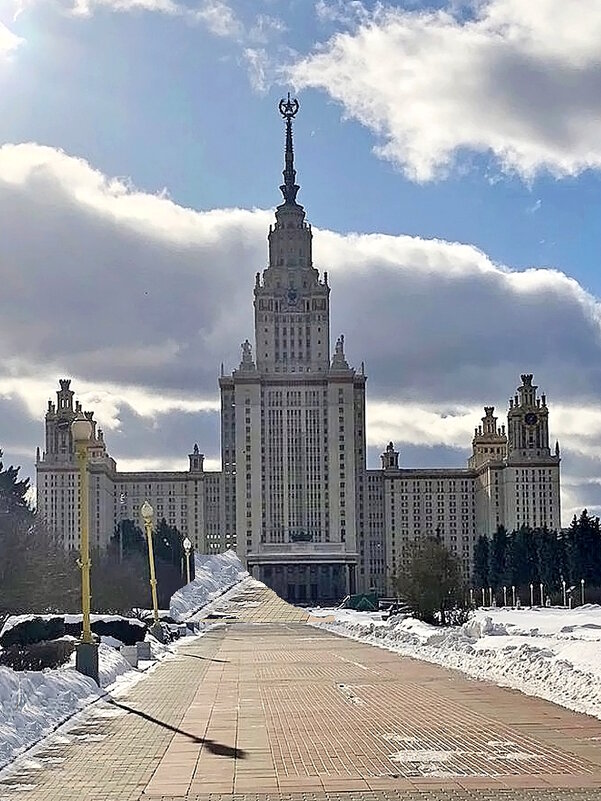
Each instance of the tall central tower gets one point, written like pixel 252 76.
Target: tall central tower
pixel 292 309
pixel 293 423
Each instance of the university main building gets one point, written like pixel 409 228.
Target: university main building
pixel 294 496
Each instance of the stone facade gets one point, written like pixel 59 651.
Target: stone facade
pixel 510 480
pixel 294 496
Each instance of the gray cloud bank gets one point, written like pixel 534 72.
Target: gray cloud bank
pixel 140 300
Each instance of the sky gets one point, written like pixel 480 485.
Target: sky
pixel 449 157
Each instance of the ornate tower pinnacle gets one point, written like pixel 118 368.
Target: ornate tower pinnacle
pixel 288 109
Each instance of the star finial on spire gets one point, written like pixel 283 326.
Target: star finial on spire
pixel 288 109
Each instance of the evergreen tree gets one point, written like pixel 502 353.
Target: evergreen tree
pixel 120 582
pixel 497 561
pixel 128 539
pixel 549 558
pixel 519 553
pixel 584 549
pixel 169 560
pixel 13 492
pixel 481 561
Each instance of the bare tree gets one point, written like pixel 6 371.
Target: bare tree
pixel 432 583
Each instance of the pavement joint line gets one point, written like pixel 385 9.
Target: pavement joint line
pixel 275 711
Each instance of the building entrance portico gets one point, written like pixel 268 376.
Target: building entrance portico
pixel 305 572
pixel 302 583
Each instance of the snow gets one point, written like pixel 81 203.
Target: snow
pixel 34 703
pixel 213 576
pixel 552 653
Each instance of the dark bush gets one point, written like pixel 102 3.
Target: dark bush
pixel 457 617
pixel 128 630
pixel 33 630
pixel 37 655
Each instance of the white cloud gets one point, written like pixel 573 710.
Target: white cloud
pixel 341 12
pixel 86 8
pixel 105 398
pixel 220 19
pixel 139 300
pixel 520 80
pixel 217 16
pixel 258 65
pixel 9 42
pixel 265 27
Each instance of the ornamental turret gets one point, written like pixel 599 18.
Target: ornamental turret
pixel 528 423
pixel 490 441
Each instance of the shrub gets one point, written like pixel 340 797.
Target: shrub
pixel 431 583
pixel 33 630
pixel 128 631
pixel 459 616
pixel 37 655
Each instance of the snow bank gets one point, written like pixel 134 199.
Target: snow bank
pixel 34 703
pixel 550 653
pixel 214 575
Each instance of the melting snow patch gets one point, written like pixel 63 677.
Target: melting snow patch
pixel 397 738
pixel 90 738
pixel 423 755
pixel 350 695
pixel 515 756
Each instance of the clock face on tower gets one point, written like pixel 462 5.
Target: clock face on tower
pixel 530 419
pixel 292 296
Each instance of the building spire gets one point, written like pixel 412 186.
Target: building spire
pixel 288 109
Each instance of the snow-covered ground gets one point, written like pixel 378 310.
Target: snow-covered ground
pixel 214 575
pixel 551 653
pixel 34 703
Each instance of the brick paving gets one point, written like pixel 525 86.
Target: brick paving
pixel 264 707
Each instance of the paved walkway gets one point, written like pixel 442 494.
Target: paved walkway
pixel 266 707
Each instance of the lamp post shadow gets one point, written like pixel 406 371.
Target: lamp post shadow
pixel 219 749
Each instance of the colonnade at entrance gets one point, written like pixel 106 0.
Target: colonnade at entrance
pixel 301 583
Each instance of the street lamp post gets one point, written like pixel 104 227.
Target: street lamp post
pixel 187 548
pixel 490 596
pixel 147 513
pixel 563 587
pixel 531 595
pixel 542 598
pixel 86 655
pixel 504 596
pixel 582 591
pixel 513 594
pixel 483 597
